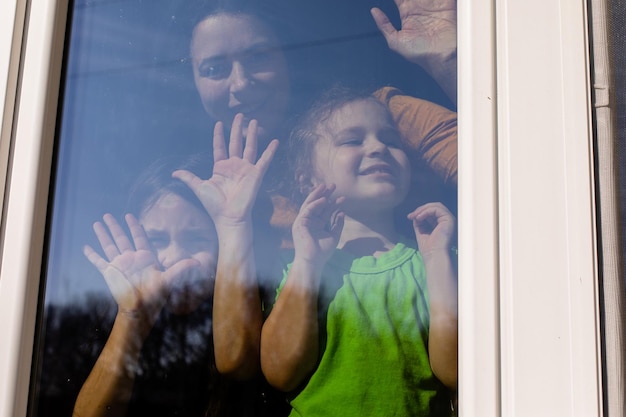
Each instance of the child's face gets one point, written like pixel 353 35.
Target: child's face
pixel 178 230
pixel 359 151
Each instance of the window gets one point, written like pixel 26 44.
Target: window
pixel 529 303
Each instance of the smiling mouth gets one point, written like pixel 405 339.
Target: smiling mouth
pixel 377 169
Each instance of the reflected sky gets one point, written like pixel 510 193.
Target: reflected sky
pixel 128 99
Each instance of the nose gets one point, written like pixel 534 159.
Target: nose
pixel 375 146
pixel 239 78
pixel 171 254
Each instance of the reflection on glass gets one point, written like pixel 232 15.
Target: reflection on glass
pixel 170 111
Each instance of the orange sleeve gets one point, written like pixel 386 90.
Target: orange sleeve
pixel 428 129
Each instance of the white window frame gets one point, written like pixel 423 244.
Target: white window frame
pixel 529 319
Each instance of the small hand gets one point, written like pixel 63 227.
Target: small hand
pixel 229 194
pixel 318 225
pixel 131 270
pixel 434 227
pixel 428 28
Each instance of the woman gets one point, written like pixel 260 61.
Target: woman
pixel 239 67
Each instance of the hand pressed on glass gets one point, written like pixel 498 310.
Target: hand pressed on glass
pixel 230 193
pixel 132 272
pixel 318 226
pixel 427 37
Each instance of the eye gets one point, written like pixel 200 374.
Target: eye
pixel 215 70
pixel 391 138
pixel 199 243
pixel 258 61
pixel 350 141
pixel 261 59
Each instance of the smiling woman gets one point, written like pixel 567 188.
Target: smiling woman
pixel 246 74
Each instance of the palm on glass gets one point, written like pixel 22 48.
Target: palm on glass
pixel 229 194
pixel 317 228
pixel 434 228
pixel 132 271
pixel 427 27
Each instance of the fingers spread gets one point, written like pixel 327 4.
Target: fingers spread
pixel 106 243
pixel 219 143
pixel 383 23
pixel 249 153
pixel 138 234
pixel 266 157
pixel 235 146
pixel 118 234
pixel 95 259
pixel 189 178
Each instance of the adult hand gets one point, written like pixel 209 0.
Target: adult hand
pixel 434 228
pixel 318 225
pixel 428 28
pixel 229 194
pixel 132 271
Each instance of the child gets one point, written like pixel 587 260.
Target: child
pixel 158 358
pixel 364 324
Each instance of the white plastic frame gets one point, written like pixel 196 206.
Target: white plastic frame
pixel 529 338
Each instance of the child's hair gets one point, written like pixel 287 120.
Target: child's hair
pixel 156 181
pixel 306 131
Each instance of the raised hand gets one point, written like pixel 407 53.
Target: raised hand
pixel 131 270
pixel 229 194
pixel 317 228
pixel 434 228
pixel 427 37
pixel 428 27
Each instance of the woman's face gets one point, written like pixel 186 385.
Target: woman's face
pixel 178 230
pixel 238 67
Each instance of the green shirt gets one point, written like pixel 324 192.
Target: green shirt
pixel 374 350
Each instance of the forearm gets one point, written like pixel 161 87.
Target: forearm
pixel 109 386
pixel 290 337
pixel 443 330
pixel 237 315
pixel 442 67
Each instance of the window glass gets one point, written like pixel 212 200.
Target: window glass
pixel 130 317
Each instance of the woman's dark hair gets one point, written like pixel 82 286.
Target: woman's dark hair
pixel 306 132
pixel 156 181
pixel 274 14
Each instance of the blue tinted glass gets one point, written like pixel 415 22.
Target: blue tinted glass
pixel 132 321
